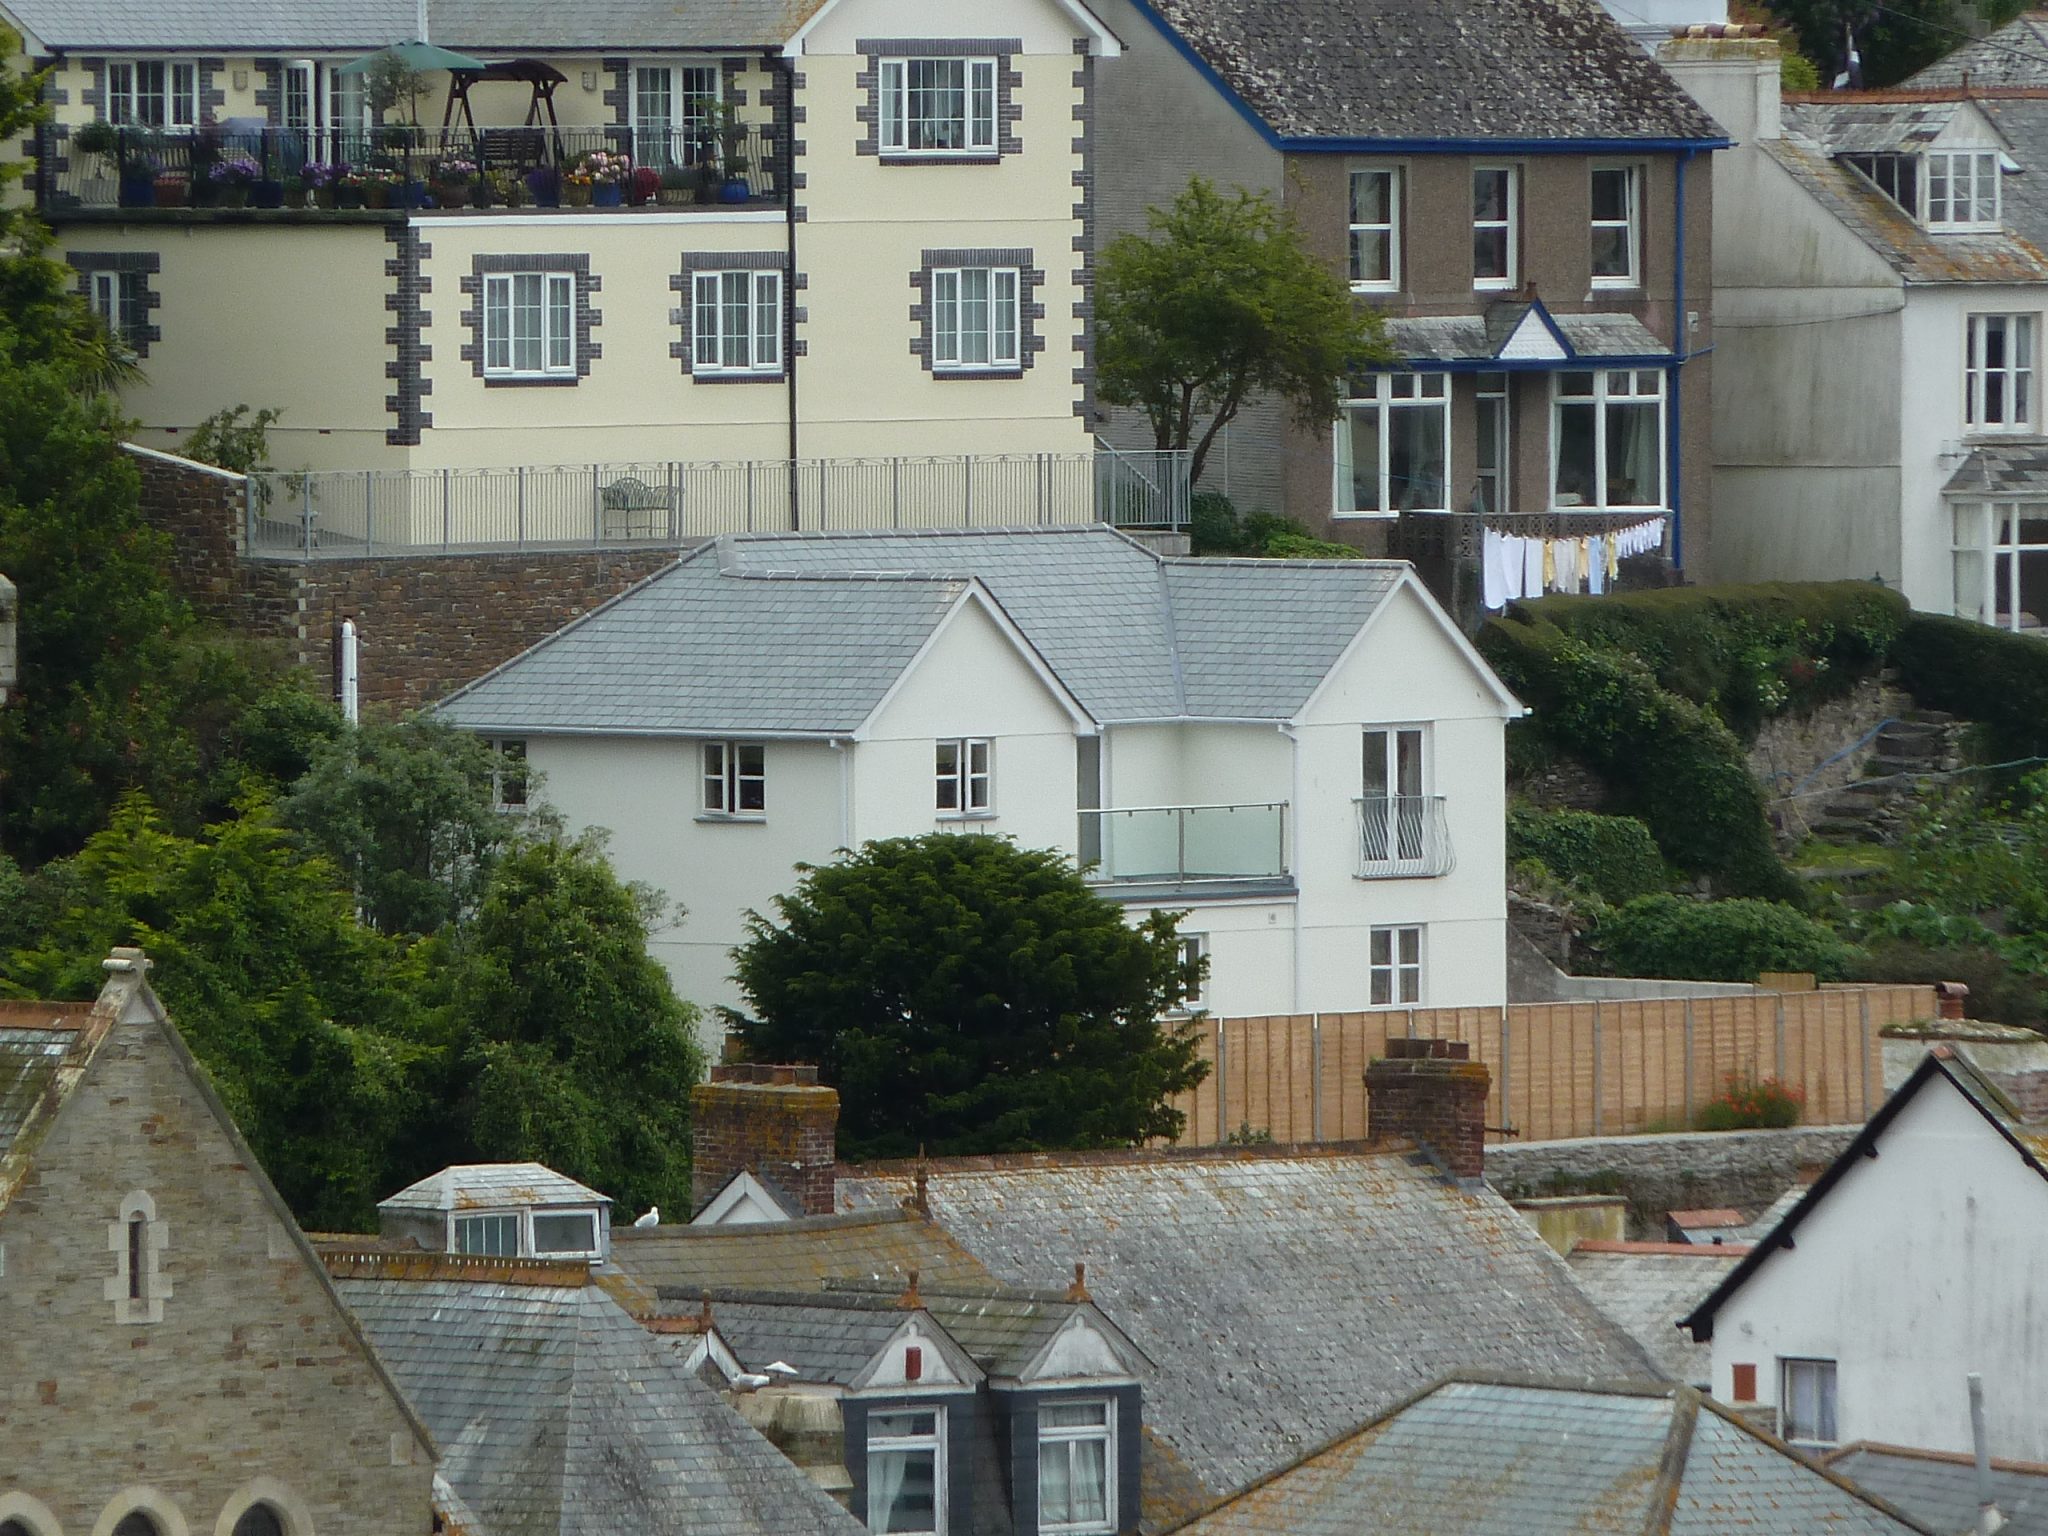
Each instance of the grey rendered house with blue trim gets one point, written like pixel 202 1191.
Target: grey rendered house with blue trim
pixel 1517 187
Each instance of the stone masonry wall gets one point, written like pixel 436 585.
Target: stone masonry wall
pixel 1792 746
pixel 1689 1170
pixel 251 1383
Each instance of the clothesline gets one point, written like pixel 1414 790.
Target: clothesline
pixel 1512 566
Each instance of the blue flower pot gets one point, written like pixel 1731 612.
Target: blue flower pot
pixel 735 191
pixel 607 194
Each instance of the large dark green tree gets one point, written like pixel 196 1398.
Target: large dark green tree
pixel 1894 38
pixel 966 995
pixel 1219 303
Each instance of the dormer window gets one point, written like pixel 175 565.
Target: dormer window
pixel 1951 191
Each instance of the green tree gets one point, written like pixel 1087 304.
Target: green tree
pixel 966 995
pixel 1894 38
pixel 569 1046
pixel 406 808
pixel 234 439
pixel 1223 302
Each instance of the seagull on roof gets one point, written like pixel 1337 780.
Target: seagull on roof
pixel 651 1217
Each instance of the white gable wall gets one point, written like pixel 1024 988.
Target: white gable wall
pixel 1920 1266
pixel 1042 26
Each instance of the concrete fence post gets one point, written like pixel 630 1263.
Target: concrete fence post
pixel 1688 1064
pixel 1315 1075
pixel 1222 1084
pixel 1599 1066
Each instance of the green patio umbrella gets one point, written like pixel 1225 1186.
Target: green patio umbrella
pixel 413 55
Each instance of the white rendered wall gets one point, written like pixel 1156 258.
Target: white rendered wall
pixel 1921 1266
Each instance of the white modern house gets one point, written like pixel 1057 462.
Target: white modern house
pixel 1879 288
pixel 1913 1261
pixel 1304 756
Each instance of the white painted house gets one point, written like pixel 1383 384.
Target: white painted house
pixel 1879 292
pixel 1915 1260
pixel 1306 756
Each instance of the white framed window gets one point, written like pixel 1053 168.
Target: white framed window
pixel 1998 373
pixel 736 322
pixel 1391 788
pixel 491 1234
pixel 1194 955
pixel 1496 193
pixel 565 1234
pixel 1962 189
pixel 735 778
pixel 907 1471
pixel 674 113
pixel 1491 433
pixel 103 294
pixel 1077 1468
pixel 300 94
pixel 152 93
pixel 1376 230
pixel 1607 439
pixel 508 773
pixel 2001 564
pixel 1806 1402
pixel 936 106
pixel 1617 229
pixel 1394 967
pixel 1392 446
pixel 966 785
pixel 975 323
pixel 530 325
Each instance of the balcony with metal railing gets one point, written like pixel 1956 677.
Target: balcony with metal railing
pixel 313 514
pixel 128 171
pixel 1182 846
pixel 1402 837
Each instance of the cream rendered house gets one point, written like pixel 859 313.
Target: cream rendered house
pixel 1305 757
pixel 861 233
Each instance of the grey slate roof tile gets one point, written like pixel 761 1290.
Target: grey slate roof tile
pixel 1941 1489
pixel 876 1246
pixel 1473 338
pixel 470 1185
pixel 1409 69
pixel 2015 54
pixel 30 1053
pixel 805 632
pixel 1486 1458
pixel 1647 1293
pixel 826 1340
pixel 1282 1297
pixel 559 1415
pixel 486 26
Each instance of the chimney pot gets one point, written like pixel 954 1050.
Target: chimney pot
pixel 1951 1000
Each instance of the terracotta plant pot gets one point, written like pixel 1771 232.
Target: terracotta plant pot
pixel 453 194
pixel 170 191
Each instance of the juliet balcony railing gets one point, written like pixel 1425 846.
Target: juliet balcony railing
pixel 1185 844
pixel 100 168
pixel 1403 837
pixel 315 514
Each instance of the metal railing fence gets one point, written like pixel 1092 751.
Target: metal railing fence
pixel 1401 836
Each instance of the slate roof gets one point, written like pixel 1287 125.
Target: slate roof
pixel 489 26
pixel 881 1246
pixel 1648 1287
pixel 2023 119
pixel 1434 69
pixel 2008 256
pixel 472 1186
pixel 2015 54
pixel 1476 338
pixel 827 1339
pixel 1282 1295
pixel 805 632
pixel 1865 126
pixel 558 1415
pixel 1940 1488
pixel 34 1040
pixel 1502 1458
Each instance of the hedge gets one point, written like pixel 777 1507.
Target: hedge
pixel 1614 857
pixel 1668 760
pixel 1747 652
pixel 1675 936
pixel 1992 676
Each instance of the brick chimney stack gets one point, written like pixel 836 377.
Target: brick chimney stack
pixel 775 1120
pixel 1432 1093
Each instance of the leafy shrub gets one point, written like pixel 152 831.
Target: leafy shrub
pixel 1999 993
pixel 1216 527
pixel 1675 936
pixel 1746 653
pixel 1745 1104
pixel 1614 857
pixel 1669 761
pixel 1984 674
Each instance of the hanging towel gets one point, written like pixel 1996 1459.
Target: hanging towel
pixel 1596 565
pixel 1613 560
pixel 1549 565
pixel 1513 567
pixel 1532 567
pixel 1493 585
pixel 1565 557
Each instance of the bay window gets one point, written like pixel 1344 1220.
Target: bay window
pixel 737 323
pixel 1392 444
pixel 1607 439
pixel 1376 230
pixel 1998 373
pixel 1076 1468
pixel 936 106
pixel 153 93
pixel 906 1472
pixel 975 322
pixel 529 325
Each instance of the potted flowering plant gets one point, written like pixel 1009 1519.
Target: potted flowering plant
pixel 576 187
pixel 350 189
pixel 605 172
pixel 171 189
pixel 320 179
pixel 379 186
pixel 453 179
pixel 544 184
pixel 232 176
